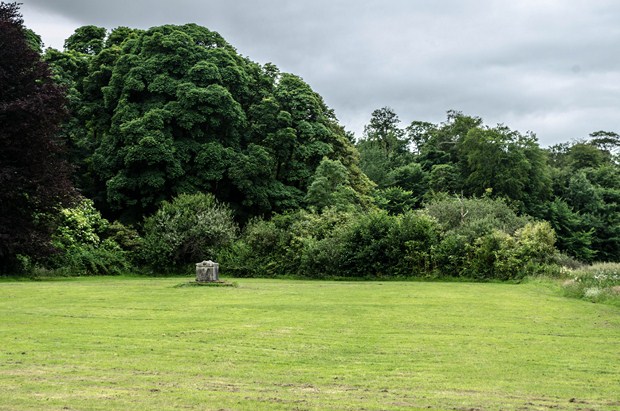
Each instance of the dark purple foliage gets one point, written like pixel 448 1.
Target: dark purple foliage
pixel 34 180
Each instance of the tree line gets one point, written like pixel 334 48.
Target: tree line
pixel 149 150
pixel 574 186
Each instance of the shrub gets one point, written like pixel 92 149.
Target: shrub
pixel 449 255
pixel 474 217
pixel 191 228
pixel 237 260
pixel 483 244
pixel 127 239
pixel 485 239
pixel 288 244
pixel 315 247
pixel 261 251
pixel 493 257
pixel 377 245
pixel 410 244
pixel 84 246
pixel 105 259
pixel 566 262
pixel 501 256
pixel 322 258
pixel 365 246
pixel 536 243
pixel 79 225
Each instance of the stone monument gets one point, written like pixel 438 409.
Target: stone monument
pixel 207 272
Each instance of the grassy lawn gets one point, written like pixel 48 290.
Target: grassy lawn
pixel 137 343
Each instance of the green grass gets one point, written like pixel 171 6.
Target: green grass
pixel 145 344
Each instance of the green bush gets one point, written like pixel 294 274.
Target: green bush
pixel 365 246
pixel 288 244
pixel 105 259
pixel 411 241
pixel 191 228
pixel 237 260
pixel 127 239
pixel 493 257
pixel 450 255
pixel 536 242
pixel 474 217
pixel 321 258
pixel 85 245
pixel 483 244
pixel 261 250
pixel 485 239
pixel 498 255
pixel 376 245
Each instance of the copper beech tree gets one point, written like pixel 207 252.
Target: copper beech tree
pixel 34 179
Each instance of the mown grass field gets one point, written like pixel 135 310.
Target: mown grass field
pixel 141 343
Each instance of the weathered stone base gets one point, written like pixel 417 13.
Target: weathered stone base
pixel 207 272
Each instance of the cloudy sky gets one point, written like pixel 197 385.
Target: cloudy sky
pixel 547 66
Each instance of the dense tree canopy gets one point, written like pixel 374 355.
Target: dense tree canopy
pixel 586 212
pixel 33 178
pixel 460 155
pixel 383 146
pixel 508 164
pixel 574 186
pixel 176 109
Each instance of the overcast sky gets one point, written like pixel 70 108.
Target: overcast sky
pixel 547 66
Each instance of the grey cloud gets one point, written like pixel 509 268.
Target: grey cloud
pixel 540 65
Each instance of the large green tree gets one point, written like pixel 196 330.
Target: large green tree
pixel 87 40
pixel 383 147
pixel 438 144
pixel 586 185
pixel 175 109
pixel 507 164
pixel 586 180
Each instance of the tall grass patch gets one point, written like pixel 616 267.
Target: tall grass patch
pixel 597 283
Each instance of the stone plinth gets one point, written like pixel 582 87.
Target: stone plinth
pixel 207 271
